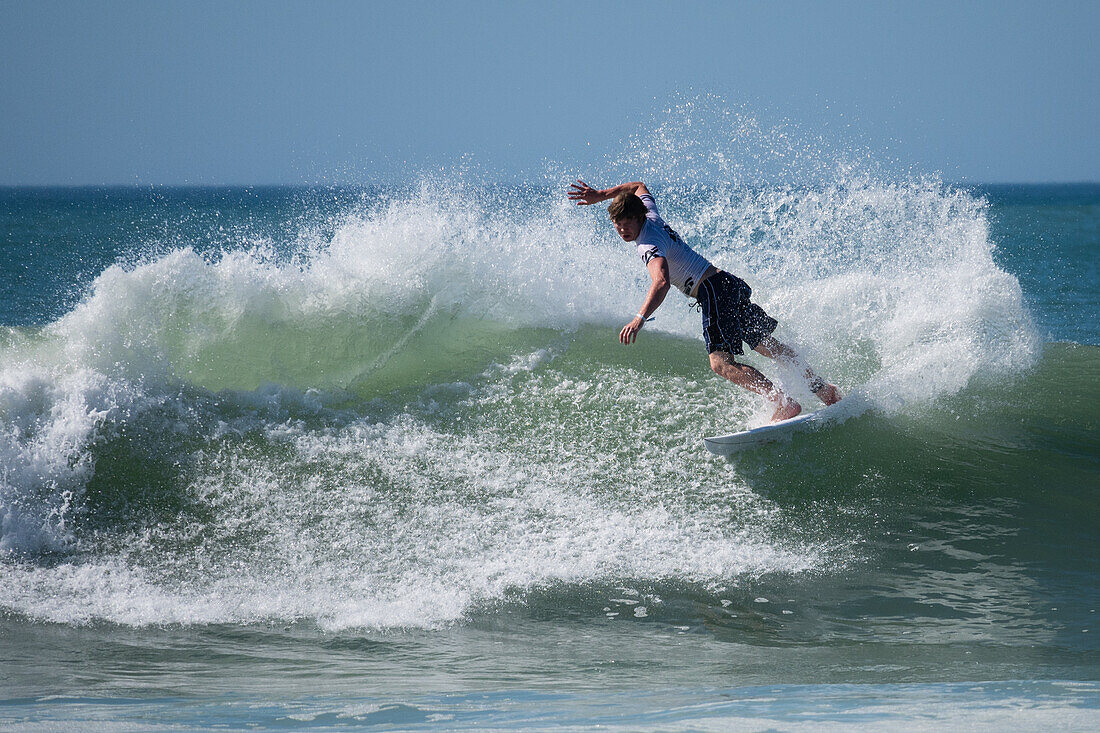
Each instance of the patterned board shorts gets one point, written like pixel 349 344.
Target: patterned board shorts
pixel 729 317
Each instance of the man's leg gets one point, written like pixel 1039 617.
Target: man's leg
pixel 770 347
pixel 724 365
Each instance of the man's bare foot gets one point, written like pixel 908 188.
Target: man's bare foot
pixel 787 409
pixel 829 394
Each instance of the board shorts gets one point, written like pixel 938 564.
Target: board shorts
pixel 729 317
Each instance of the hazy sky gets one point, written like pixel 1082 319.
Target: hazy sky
pixel 287 92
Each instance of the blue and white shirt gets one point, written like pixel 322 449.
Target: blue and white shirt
pixel 657 239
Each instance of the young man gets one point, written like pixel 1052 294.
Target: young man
pixel 728 315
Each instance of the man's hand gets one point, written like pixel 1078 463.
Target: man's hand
pixel 584 194
pixel 630 331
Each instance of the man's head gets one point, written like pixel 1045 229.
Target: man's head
pixel 627 213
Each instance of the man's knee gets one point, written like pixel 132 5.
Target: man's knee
pixel 774 349
pixel 719 361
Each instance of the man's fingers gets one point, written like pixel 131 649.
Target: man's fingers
pixel 628 335
pixel 581 192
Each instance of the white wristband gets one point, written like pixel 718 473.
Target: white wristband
pixel 640 315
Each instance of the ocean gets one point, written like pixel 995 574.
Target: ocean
pixel 327 458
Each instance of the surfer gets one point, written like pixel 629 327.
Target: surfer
pixel 729 317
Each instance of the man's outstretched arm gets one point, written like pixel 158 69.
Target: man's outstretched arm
pixel 585 195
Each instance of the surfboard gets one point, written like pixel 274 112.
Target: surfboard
pixel 725 445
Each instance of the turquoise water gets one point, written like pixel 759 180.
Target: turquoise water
pixel 353 458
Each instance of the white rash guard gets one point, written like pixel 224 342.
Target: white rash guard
pixel 657 239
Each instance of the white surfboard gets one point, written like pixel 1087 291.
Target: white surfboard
pixel 725 445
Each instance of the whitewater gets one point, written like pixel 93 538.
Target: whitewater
pixel 367 418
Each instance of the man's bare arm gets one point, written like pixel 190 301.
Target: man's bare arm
pixel 658 272
pixel 585 195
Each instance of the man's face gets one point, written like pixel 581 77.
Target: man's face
pixel 628 229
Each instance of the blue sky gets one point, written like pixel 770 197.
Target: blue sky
pixel 281 92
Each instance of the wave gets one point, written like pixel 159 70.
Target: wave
pixel 427 413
